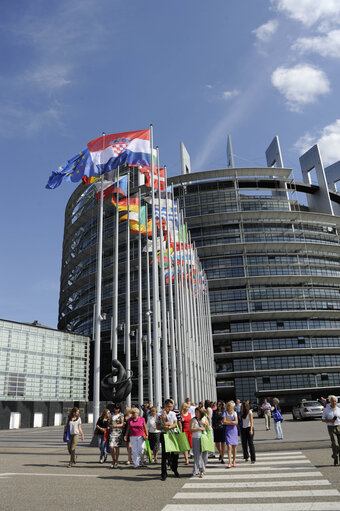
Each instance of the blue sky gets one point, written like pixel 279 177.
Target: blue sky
pixel 197 70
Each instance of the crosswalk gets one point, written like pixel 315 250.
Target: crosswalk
pixel 282 480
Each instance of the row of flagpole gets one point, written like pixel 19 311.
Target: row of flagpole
pixel 177 359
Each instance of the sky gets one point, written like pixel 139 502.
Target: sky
pixel 198 71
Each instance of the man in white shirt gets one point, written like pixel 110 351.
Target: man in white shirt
pixel 167 421
pixel 331 417
pixel 266 407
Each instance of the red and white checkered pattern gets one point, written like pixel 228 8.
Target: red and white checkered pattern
pixel 119 147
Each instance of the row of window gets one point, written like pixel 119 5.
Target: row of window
pixel 285 362
pixel 286 343
pixel 297 324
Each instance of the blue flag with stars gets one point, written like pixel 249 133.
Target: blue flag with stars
pixel 77 167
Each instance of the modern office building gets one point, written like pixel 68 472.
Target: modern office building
pixel 42 371
pixel 270 247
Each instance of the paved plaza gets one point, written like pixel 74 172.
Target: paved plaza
pixel 296 474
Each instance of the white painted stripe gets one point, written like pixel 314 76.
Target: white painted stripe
pixel 271 475
pixel 255 494
pixel 259 484
pixel 287 506
pixel 69 474
pixel 262 458
pixel 274 453
pixel 269 464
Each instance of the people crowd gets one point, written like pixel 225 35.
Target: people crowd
pixel 144 430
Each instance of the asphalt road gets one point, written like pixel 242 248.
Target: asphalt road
pixel 294 473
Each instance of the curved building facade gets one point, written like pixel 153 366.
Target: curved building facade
pixel 273 267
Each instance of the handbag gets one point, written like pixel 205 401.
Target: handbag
pixel 170 442
pixel 66 436
pixel 207 441
pixel 277 416
pixel 147 449
pixel 182 441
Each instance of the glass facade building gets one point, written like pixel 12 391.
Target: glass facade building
pixel 273 267
pixel 42 364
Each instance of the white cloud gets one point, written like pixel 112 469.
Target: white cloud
pixel 328 140
pixel 300 85
pixel 266 31
pixel 309 12
pixel 327 46
pixel 49 77
pixel 229 94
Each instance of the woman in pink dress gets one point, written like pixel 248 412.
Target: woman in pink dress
pixel 186 418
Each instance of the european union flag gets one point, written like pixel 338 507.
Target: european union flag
pixel 77 167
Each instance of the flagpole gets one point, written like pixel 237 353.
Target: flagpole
pixel 187 309
pixel 178 315
pixel 171 305
pixel 155 292
pixel 115 279
pixel 165 355
pixel 140 309
pixel 98 309
pixel 184 318
pixel 127 295
pixel 148 312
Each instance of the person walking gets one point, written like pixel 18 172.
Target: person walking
pixel 266 407
pixel 167 421
pixel 137 432
pixel 127 418
pixel 231 433
pixel 116 433
pixel 74 422
pixel 247 432
pixel 186 418
pixel 218 429
pixel 198 424
pixel 102 432
pixel 154 435
pixel 276 412
pixel 331 417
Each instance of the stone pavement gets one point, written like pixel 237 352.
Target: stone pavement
pixel 34 475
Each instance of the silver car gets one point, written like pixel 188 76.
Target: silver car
pixel 307 410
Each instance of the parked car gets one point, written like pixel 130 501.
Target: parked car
pixel 307 410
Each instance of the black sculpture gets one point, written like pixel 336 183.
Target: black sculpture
pixel 116 391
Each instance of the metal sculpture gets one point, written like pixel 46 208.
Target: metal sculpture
pixel 116 391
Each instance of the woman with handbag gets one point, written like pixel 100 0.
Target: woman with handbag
pixel 136 431
pixel 198 424
pixel 116 433
pixel 127 418
pixel 231 432
pixel 278 419
pixel 101 431
pixel 186 418
pixel 154 435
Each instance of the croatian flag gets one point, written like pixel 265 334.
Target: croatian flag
pixel 130 147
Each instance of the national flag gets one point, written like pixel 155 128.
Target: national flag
pixel 130 147
pixel 146 226
pixel 89 180
pixel 124 204
pixel 73 170
pixel 110 188
pixel 146 171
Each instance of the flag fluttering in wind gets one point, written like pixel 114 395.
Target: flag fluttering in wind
pixel 146 171
pixel 73 170
pixel 103 154
pixel 110 188
pixel 130 147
